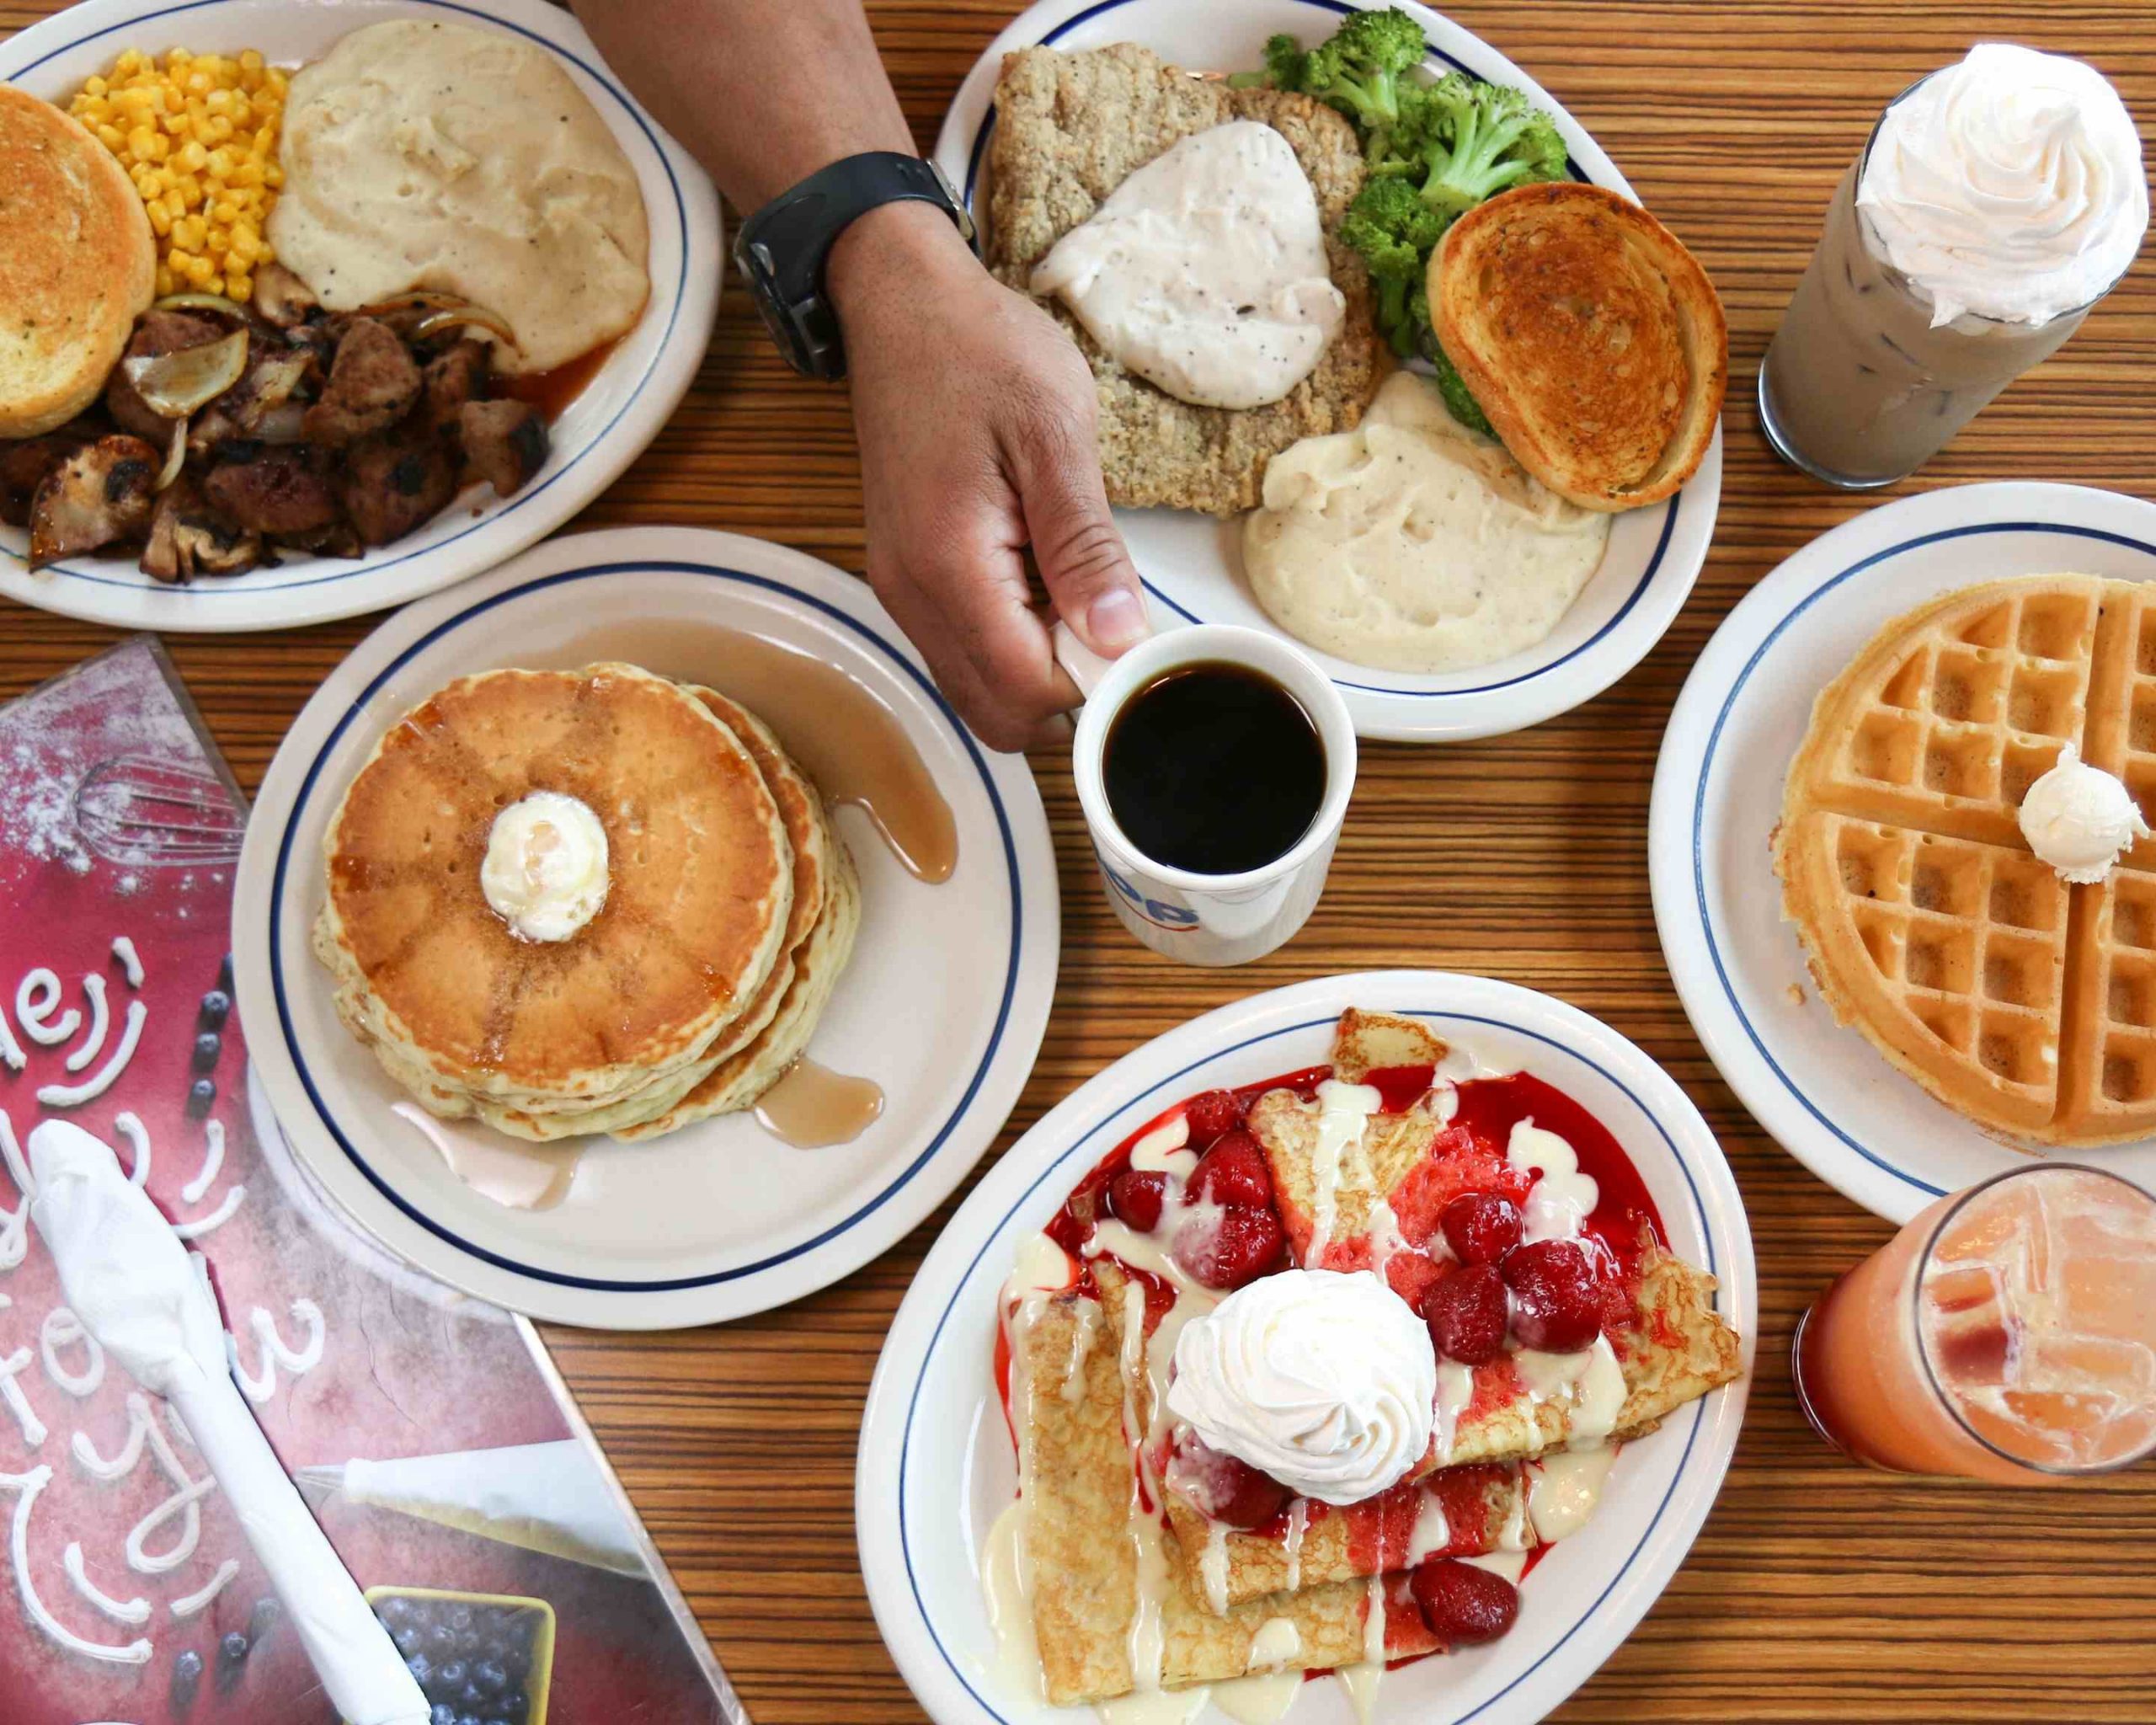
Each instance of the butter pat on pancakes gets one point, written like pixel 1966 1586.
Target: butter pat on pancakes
pixel 1205 271
pixel 545 869
pixel 1412 543
pixel 421 155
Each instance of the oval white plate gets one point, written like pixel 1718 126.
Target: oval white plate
pixel 943 1003
pixel 1191 565
pixel 936 1465
pixel 1833 1102
pixel 596 437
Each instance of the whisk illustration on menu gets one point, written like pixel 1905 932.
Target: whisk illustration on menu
pixel 142 812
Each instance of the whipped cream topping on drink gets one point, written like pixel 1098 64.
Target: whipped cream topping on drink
pixel 2009 185
pixel 2077 818
pixel 545 873
pixel 1325 1380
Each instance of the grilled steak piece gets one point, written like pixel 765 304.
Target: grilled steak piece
pixel 159 333
pixel 505 440
pixel 272 490
pixel 454 377
pixel 373 382
pixel 395 482
pixel 186 540
pixel 23 464
pixel 98 494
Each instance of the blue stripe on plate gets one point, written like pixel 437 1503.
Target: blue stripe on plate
pixel 214 589
pixel 1706 771
pixel 1669 509
pixel 358 710
pixel 1089 1137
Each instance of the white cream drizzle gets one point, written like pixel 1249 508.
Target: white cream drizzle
pixel 1344 1111
pixel 273 1351
pixel 1085 1319
pixel 186 1503
pixel 1455 1389
pixel 189 1604
pixel 131 1127
pixel 35 996
pixel 196 1227
pixel 1213 1567
pixel 1511 1565
pixel 1564 1489
pixel 14 1223
pixel 1147 1637
pixel 1299 1520
pixel 1433 1531
pixel 213 1159
pixel 11 1051
pixel 1276 1642
pixel 61 1329
pixel 100 1021
pixel 1163 1149
pixel 1262 1698
pixel 129 1611
pixel 27 1488
pixel 122 1461
pixel 131 961
pixel 1006 1582
pixel 11 1395
pixel 68 1096
pixel 1562 1198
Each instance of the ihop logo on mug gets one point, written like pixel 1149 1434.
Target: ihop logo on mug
pixel 1174 918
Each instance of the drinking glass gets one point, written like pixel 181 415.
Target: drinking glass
pixel 2007 1333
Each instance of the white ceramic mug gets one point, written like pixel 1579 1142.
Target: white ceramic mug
pixel 1207 919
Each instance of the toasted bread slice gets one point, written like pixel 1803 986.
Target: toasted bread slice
pixel 77 267
pixel 1592 338
pixel 1070 129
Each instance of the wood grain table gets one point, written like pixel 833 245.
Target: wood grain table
pixel 1816 1592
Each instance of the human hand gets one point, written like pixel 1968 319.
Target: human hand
pixel 975 416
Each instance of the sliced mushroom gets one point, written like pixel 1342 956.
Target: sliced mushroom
pixel 99 495
pixel 23 465
pixel 186 540
pixel 372 384
pixel 504 440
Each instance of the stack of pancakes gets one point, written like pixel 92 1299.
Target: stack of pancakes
pixel 730 909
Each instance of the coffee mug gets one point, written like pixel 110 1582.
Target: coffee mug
pixel 1207 919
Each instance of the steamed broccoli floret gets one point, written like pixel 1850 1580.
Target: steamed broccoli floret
pixel 1476 140
pixel 1462 405
pixel 1360 69
pixel 1394 230
pixel 1285 60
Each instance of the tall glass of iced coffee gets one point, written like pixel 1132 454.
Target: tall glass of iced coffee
pixel 1996 202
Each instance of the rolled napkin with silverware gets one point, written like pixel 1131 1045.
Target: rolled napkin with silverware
pixel 128 1277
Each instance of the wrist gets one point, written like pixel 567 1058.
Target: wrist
pixel 886 253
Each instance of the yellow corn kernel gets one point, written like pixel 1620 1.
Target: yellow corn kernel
pixel 138 140
pixel 167 282
pixel 220 164
pixel 249 60
pixel 221 128
pixel 190 230
pixel 248 175
pixel 239 288
pixel 202 271
pixel 275 176
pixel 224 211
pixel 175 203
pixel 160 145
pixel 160 220
pixel 193 156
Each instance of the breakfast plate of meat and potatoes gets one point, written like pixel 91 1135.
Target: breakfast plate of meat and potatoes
pixel 305 368
pixel 1308 439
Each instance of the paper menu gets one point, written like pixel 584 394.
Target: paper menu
pixel 125 1591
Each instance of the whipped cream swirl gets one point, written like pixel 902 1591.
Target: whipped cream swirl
pixel 1323 1379
pixel 2009 185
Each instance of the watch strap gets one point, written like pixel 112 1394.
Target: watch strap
pixel 783 250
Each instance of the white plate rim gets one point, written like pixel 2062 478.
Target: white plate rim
pixel 1393 712
pixel 1681 807
pixel 307 589
pixel 984 1223
pixel 664 1302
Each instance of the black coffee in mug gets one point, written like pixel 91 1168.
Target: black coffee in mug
pixel 1214 768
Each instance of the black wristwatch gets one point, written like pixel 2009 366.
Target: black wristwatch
pixel 782 249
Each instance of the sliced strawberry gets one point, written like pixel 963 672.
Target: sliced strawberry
pixel 1224 1488
pixel 1136 1196
pixel 1558 1298
pixel 1466 1314
pixel 1234 1172
pixel 1239 1246
pixel 1209 1114
pixel 1481 1226
pixel 1464 1606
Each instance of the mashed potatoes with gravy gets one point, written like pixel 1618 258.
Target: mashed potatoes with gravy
pixel 1412 543
pixel 428 155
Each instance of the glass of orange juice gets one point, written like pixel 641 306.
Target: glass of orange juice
pixel 2007 1333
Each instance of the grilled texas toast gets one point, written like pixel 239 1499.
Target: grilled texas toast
pixel 77 265
pixel 1592 338
pixel 1070 129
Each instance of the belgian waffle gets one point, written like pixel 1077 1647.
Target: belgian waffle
pixel 2025 1004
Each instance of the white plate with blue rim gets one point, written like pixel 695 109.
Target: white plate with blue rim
pixel 942 1005
pixel 596 436
pixel 1191 565
pixel 935 1465
pixel 1827 1095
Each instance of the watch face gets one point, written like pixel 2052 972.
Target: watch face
pixel 755 264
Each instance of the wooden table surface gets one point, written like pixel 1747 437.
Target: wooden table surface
pixel 1816 1592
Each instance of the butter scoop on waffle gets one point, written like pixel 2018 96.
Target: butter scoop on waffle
pixel 2025 1004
